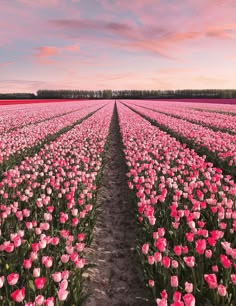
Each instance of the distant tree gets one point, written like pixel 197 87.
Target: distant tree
pixel 17 96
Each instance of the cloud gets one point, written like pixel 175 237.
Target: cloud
pixel 46 51
pixel 46 55
pixel 116 37
pixel 136 7
pixel 16 85
pixel 42 3
pixel 211 80
pixel 224 31
pixel 115 34
pixel 116 76
pixel 155 40
pixel 49 54
pixel 72 48
pixel 50 51
pixel 94 26
pixel 6 63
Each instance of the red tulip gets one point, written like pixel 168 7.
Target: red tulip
pixel 40 282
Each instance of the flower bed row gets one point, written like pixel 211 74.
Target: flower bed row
pixel 186 211
pixel 228 108
pixel 222 146
pixel 223 122
pixel 26 137
pixel 17 116
pixel 47 213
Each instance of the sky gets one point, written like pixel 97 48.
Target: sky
pixel 117 44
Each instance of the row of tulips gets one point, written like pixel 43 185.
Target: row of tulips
pixel 222 146
pixel 223 122
pixel 229 107
pixel 47 212
pixel 186 211
pixel 17 140
pixel 223 106
pixel 16 116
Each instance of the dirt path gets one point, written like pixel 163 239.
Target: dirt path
pixel 115 280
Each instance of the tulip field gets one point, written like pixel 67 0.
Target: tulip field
pixel 180 160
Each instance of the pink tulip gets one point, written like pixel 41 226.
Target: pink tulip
pixel 211 280
pixel 36 272
pixel 65 274
pixel 145 248
pixel 177 250
pixel 189 261
pixel 161 302
pixel 39 300
pixel 62 294
pixel 189 299
pixel 9 248
pixel 47 261
pixel 225 261
pixel 40 282
pixel 57 277
pixel 200 246
pixel 174 281
pixel 176 296
pixel 158 257
pixel 18 295
pixel 151 260
pixel 49 301
pixel 166 261
pixel 174 264
pixel 64 284
pixel 233 278
pixel 208 253
pixel 12 279
pixel 27 263
pixel 221 290
pixel 65 258
pixel 2 280
pixel 188 287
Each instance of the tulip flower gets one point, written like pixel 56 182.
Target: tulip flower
pixel 40 282
pixel 18 295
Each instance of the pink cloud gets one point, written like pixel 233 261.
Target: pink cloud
pixel 123 36
pixel 72 48
pixel 43 3
pixel 9 86
pixel 27 19
pixel 187 15
pixel 157 40
pixel 46 51
pixel 7 63
pixel 211 81
pixel 223 31
pixel 87 36
pixel 126 5
pixel 47 54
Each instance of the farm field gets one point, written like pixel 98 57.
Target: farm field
pixel 30 101
pixel 126 202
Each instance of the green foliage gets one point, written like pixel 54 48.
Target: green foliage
pixel 125 94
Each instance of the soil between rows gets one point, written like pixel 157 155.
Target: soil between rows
pixel 115 280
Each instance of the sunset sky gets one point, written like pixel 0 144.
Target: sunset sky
pixel 117 44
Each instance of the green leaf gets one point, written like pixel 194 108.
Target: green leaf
pixel 31 285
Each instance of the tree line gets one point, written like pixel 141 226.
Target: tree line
pixel 124 94
pixel 17 96
pixel 136 94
